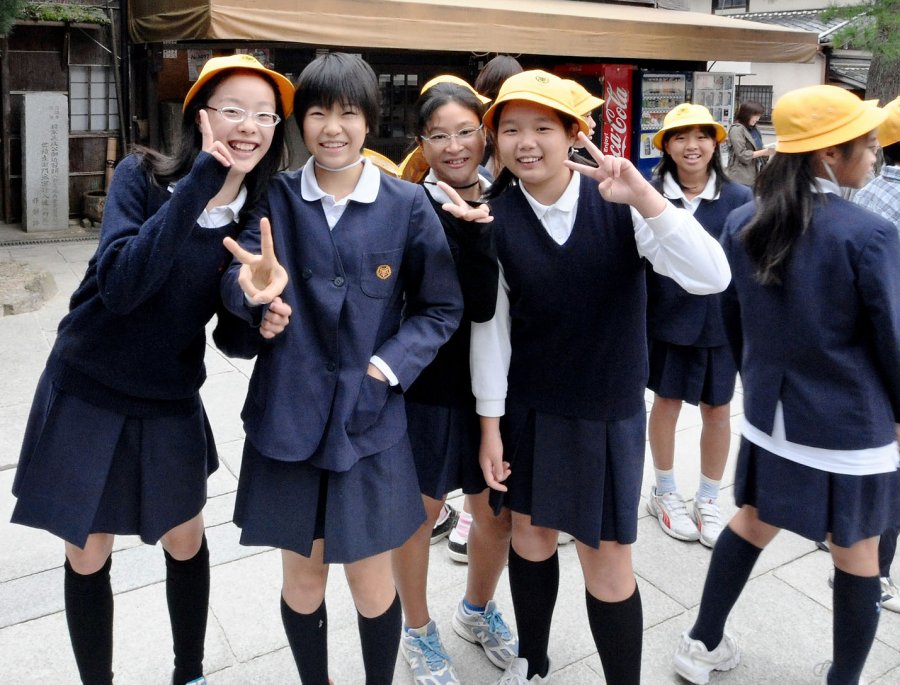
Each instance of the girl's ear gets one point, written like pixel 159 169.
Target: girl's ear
pixel 573 133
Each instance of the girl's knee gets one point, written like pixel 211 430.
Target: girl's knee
pixel 183 541
pixel 90 558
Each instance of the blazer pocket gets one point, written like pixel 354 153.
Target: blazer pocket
pixel 379 272
pixel 373 396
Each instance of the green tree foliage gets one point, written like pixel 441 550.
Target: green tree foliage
pixel 9 12
pixel 875 28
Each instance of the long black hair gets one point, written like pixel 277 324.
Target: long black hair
pixel 784 208
pixel 166 169
pixel 667 164
pixel 506 178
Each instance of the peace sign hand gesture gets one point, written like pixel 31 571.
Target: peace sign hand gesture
pixel 261 277
pixel 216 148
pixel 463 210
pixel 619 181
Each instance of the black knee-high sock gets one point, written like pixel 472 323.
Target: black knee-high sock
pixel 732 561
pixel 89 614
pixel 187 594
pixel 307 635
pixel 534 586
pixel 618 630
pixel 380 638
pixel 857 605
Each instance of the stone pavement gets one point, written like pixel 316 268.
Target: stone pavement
pixel 782 621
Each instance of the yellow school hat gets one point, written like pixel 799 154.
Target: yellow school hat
pixel 449 78
pixel 243 62
pixel 542 88
pixel 584 102
pixel 889 131
pixel 817 117
pixel 383 163
pixel 685 115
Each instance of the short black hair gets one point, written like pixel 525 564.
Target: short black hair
pixel 338 77
pixel 891 153
pixel 747 110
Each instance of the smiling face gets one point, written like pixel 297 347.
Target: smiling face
pixel 335 135
pixel 247 141
pixel 456 161
pixel 691 149
pixel 533 143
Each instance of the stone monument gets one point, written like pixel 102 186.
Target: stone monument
pixel 45 162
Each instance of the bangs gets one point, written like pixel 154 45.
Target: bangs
pixel 337 78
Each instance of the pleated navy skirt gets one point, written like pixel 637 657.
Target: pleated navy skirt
pixel 445 441
pixel 814 503
pixel 692 374
pixel 87 469
pixel 372 508
pixel 579 476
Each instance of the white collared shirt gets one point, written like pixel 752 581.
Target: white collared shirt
pixel 222 215
pixel 557 219
pixel 438 195
pixel 366 190
pixel 673 191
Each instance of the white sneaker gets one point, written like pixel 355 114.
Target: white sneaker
pixel 705 515
pixel 489 630
pixel 890 595
pixel 427 659
pixel 671 512
pixel 694 662
pixel 517 673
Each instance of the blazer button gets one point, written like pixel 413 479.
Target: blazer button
pixel 331 366
pixel 306 273
pixel 338 281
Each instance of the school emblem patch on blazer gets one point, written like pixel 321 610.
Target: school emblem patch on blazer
pixel 384 272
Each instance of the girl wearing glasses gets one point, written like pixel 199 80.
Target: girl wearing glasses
pixel 443 426
pixel 118 441
pixel 327 473
pixel 563 362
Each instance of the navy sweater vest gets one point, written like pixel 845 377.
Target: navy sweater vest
pixel 675 315
pixel 578 309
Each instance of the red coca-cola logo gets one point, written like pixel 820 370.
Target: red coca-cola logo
pixel 616 120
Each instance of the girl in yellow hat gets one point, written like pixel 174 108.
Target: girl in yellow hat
pixel 689 356
pixel 559 372
pixel 443 426
pixel 814 311
pixel 327 474
pixel 118 441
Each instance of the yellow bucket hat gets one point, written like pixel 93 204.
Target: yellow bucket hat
pixel 383 163
pixel 685 115
pixel 817 117
pixel 243 62
pixel 539 87
pixel 889 131
pixel 449 78
pixel 584 102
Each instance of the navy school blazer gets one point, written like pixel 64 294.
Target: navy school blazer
pixel 382 282
pixel 827 342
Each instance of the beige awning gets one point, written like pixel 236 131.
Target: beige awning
pixel 536 27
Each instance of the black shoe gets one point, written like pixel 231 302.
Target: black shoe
pixel 442 529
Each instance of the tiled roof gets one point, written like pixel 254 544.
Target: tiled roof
pixel 806 20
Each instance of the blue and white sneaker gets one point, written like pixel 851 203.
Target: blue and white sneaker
pixel 429 662
pixel 489 630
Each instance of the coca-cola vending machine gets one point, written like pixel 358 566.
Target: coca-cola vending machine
pixel 613 83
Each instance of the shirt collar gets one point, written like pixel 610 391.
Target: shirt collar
pixel 824 185
pixel 673 191
pixel 366 189
pixel 225 214
pixel 566 202
pixel 891 172
pixel 439 196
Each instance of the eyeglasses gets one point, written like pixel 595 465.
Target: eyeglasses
pixel 236 115
pixel 443 139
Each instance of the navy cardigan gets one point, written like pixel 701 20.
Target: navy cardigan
pixel 381 282
pixel 136 323
pixel 827 342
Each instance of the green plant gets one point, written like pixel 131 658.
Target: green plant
pixel 9 12
pixel 51 11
